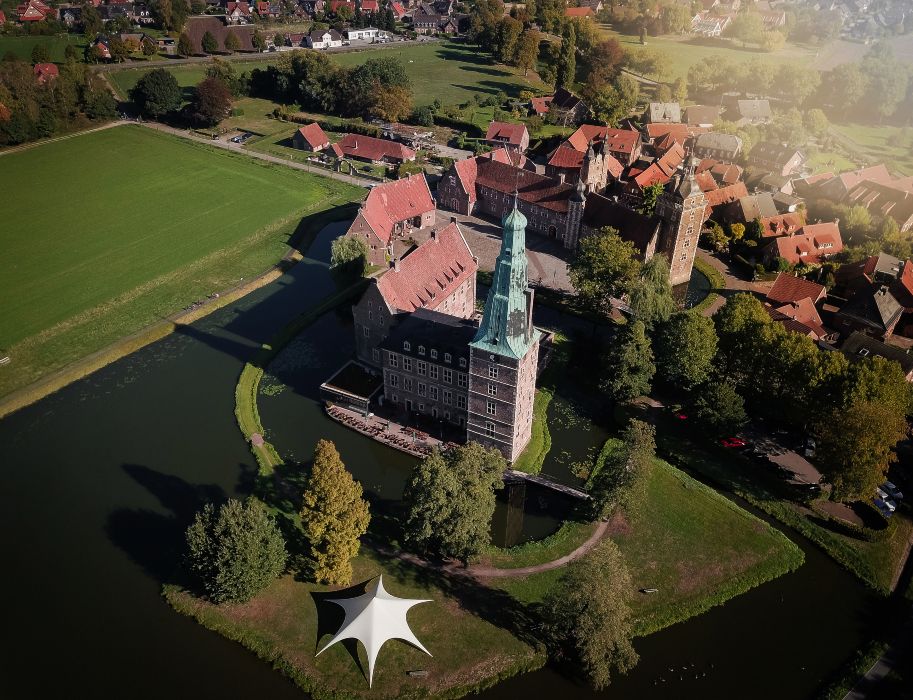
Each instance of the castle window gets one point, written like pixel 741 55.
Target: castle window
pixel 463 362
pixel 395 398
pixel 448 397
pixel 421 349
pixel 407 364
pixel 370 315
pixel 421 389
pixel 394 359
pixel 446 415
pixel 490 408
pixel 433 371
pixel 492 390
pixel 461 401
pixel 367 333
pixel 394 380
pixel 421 408
pixel 433 392
pixel 407 346
pixel 490 429
pixel 461 380
pixel 407 384
pixel 375 354
pixel 493 371
pixel 433 354
pixel 421 366
pixel 448 375
pixel 446 357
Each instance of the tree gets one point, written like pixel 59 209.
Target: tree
pixel 149 47
pixel 70 53
pixel 211 102
pixel 720 407
pixel 391 103
pixel 40 54
pixel 344 13
pixel 651 296
pixel 334 516
pixel 604 60
pixel 566 69
pixel 235 552
pixel 685 347
pixel 349 255
pixel 650 194
pixel 157 93
pixel 185 45
pixel 451 499
pixel 715 236
pixel 747 27
pixel 232 42
pixel 588 614
pixel 507 33
pixel 118 49
pixel 628 365
pixel 209 43
pixel 772 41
pixel 528 50
pixel 621 480
pixel 605 266
pixel 856 445
pixel 90 20
pixel 258 41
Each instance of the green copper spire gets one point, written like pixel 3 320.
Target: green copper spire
pixel 506 328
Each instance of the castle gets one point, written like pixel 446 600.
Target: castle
pixel 567 213
pixel 415 325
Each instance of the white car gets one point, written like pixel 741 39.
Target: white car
pixel 892 489
pixel 882 494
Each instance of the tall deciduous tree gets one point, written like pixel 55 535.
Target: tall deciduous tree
pixel 334 516
pixel 157 93
pixel 209 43
pixel 211 102
pixel 621 480
pixel 588 615
pixel 720 407
pixel 685 347
pixel 628 365
pixel 451 499
pixel 528 50
pixel 349 255
pixel 651 296
pixel 235 552
pixel 185 45
pixel 604 267
pixel 566 70
pixel 232 42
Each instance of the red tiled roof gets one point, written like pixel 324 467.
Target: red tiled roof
pixel 727 173
pixel 781 225
pixel 45 71
pixel 2 17
pixel 531 187
pixel 801 317
pixel 706 182
pixel 336 4
pixel 791 289
pixel 540 104
pixel 652 175
pixel 398 9
pixel 902 289
pixel 502 155
pixel 812 244
pixel 579 12
pixel 875 173
pixel 314 135
pixel 358 146
pixel 566 157
pixel 727 194
pixel 369 6
pixel 467 171
pixel 430 273
pixel 505 131
pixel 679 131
pixel 617 140
pixel 396 201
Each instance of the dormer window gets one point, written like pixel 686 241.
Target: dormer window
pixel 433 354
pixel 407 346
pixel 463 362
pixel 421 349
pixel 447 357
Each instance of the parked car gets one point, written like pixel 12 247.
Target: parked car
pixel 880 493
pixel 681 416
pixel 732 442
pixel 892 490
pixel 882 507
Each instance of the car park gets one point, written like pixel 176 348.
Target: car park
pixel 882 507
pixel 892 490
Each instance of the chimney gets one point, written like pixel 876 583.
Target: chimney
pixel 396 264
pixel 561 178
pixel 434 234
pixel 453 220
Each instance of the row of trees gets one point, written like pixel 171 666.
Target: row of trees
pixel 378 88
pixel 30 109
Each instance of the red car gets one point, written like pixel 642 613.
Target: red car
pixel 732 442
pixel 681 416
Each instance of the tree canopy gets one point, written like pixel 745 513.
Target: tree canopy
pixel 157 93
pixel 685 347
pixel 605 266
pixel 211 102
pixel 628 365
pixel 620 481
pixel 650 298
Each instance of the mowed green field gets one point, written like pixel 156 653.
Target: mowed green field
pixel 22 45
pixel 106 232
pixel 448 71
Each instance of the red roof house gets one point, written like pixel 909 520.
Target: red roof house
pixel 573 12
pixel 781 225
pixel 34 11
pixel 540 105
pixel 811 245
pixel 45 72
pixel 373 150
pixel 398 10
pixel 391 210
pixel 623 144
pixel 370 6
pixel 513 136
pixel 310 138
pixel 789 288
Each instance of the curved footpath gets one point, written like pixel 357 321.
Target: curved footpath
pixel 483 572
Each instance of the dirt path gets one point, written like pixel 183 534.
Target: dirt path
pixel 485 572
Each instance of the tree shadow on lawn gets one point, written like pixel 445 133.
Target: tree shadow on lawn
pixel 154 540
pixel 485 71
pixel 475 58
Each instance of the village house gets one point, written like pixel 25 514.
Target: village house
pixel 776 158
pixel 704 116
pixel 392 211
pixel 45 72
pixel 35 11
pixel 512 136
pixel 624 145
pixel 364 34
pixel 710 24
pixel 238 13
pixel 813 244
pixel 792 301
pixel 324 39
pixel 567 108
pixel 664 113
pixel 723 173
pixel 579 12
pixel 753 111
pixel 884 201
pixel 310 138
pixel 373 150
pixel 721 147
pixel 859 346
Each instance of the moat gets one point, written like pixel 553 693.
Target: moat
pixel 101 478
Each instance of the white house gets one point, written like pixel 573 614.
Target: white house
pixel 707 24
pixel 367 33
pixel 324 39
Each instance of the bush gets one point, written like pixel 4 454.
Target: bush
pixel 235 552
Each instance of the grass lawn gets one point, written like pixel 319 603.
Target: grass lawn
pixel 879 144
pixel 448 71
pixel 696 546
pixel 462 628
pixel 684 52
pixel 164 223
pixel 830 161
pixel 22 45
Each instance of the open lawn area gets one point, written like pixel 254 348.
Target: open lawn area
pixel 160 223
pixel 449 71
pixel 878 144
pixel 22 45
pixel 463 627
pixel 829 161
pixel 697 547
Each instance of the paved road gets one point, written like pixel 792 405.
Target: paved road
pixel 734 278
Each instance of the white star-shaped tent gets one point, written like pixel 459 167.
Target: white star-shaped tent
pixel 374 618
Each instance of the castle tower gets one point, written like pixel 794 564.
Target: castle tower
pixel 575 205
pixel 504 354
pixel 681 207
pixel 593 170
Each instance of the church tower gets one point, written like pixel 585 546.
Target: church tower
pixel 681 207
pixel 504 354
